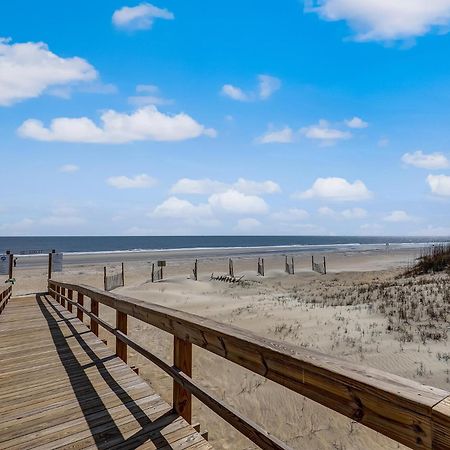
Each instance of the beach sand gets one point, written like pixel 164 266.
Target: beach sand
pixel 349 313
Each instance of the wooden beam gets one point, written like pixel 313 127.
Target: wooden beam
pixel 121 325
pixel 182 360
pixel 94 311
pixel 70 297
pixel 80 301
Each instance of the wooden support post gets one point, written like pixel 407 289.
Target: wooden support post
pixel 58 298
pixel 292 262
pixel 80 301
pixel 70 297
pixel 63 293
pixel 94 310
pixel 324 266
pixel 50 264
pixel 104 278
pixel 121 325
pixel 182 360
pixel 123 275
pixel 10 264
pixel 312 262
pixel 196 270
pixel 153 272
pixel 262 261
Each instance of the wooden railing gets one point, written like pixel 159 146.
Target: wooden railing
pixel 404 410
pixel 5 295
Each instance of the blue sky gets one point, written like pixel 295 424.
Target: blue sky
pixel 175 117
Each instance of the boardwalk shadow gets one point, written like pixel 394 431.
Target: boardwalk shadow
pixel 102 425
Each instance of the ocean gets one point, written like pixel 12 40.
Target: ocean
pixel 95 244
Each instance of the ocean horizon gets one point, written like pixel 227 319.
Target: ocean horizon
pixel 98 244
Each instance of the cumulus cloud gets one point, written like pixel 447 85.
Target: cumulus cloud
pixel 325 133
pixel 69 168
pixel 137 182
pixel 338 189
pixel 385 20
pixel 176 208
pixel 291 215
pixel 398 216
pixel 208 186
pixel 29 69
pixel 356 122
pixel 140 17
pixel 426 161
pixel 248 224
pixel 283 136
pixel 145 124
pixel 267 85
pixel 235 202
pixel 439 184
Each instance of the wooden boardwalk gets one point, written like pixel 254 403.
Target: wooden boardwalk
pixel 62 387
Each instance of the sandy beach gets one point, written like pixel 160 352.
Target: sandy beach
pixel 352 312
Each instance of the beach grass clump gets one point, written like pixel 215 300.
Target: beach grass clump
pixel 432 259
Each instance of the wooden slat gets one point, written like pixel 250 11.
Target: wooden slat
pixel 60 386
pixel 399 408
pixel 182 360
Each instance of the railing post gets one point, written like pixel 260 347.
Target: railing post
pixel 182 360
pixel 57 298
pixel 80 301
pixel 63 293
pixel 121 325
pixel 70 297
pixel 94 310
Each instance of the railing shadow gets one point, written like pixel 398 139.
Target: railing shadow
pixel 104 430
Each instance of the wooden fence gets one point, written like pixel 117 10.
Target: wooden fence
pixel 404 410
pixel 113 281
pixel 289 266
pixel 319 267
pixel 157 275
pixel 5 295
pixel 261 266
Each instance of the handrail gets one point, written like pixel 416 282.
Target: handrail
pixel 404 410
pixel 5 295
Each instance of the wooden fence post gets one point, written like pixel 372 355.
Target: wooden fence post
pixel 10 264
pixel 80 301
pixel 324 266
pixel 123 275
pixel 104 278
pixel 50 264
pixel 63 293
pixel 312 262
pixel 262 262
pixel 292 261
pixel 121 325
pixel 58 298
pixel 153 272
pixel 182 360
pixel 94 310
pixel 196 270
pixel 70 297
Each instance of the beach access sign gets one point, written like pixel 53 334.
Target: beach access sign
pixel 4 264
pixel 57 262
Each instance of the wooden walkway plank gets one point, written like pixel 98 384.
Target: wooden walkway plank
pixel 62 387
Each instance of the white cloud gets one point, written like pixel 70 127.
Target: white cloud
pixel 146 123
pixel 398 216
pixel 383 142
pixel 426 161
pixel 235 202
pixel 234 92
pixel 69 168
pixel 291 215
pixel 136 182
pixel 439 184
pixel 268 85
pixel 354 213
pixel 208 186
pixel 150 96
pixel 28 69
pixel 248 224
pixel 356 122
pixel 385 20
pixel 139 17
pixel 338 189
pixel 283 136
pixel 348 214
pixel 256 187
pixel 176 208
pixel 323 132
